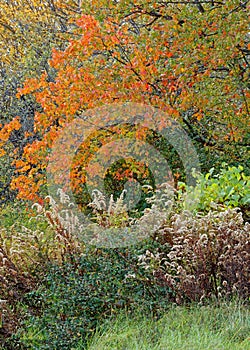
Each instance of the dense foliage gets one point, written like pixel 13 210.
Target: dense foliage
pixel 190 60
pixel 78 296
pixel 62 60
pixel 230 188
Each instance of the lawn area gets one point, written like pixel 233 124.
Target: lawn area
pixel 191 328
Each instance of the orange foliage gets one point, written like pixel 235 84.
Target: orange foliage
pixel 171 57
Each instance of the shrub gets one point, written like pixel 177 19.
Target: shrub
pixel 209 256
pixel 27 245
pixel 230 188
pixel 75 297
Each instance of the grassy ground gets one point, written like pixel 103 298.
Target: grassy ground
pixel 204 328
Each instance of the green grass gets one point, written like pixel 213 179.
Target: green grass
pixel 201 327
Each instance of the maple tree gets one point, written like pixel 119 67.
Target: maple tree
pixel 186 58
pixel 28 31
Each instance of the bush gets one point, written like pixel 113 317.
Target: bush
pixel 27 245
pixel 209 256
pixel 78 295
pixel 230 188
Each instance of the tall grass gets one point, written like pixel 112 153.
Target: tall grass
pixel 197 327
